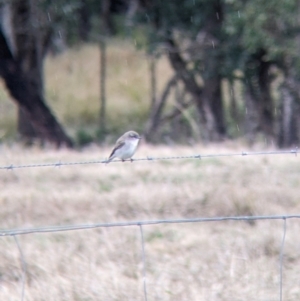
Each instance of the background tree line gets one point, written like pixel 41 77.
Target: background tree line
pixel 249 44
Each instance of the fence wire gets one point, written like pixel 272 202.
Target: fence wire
pixel 281 259
pixel 144 262
pixel 149 158
pixel 64 228
pixel 140 224
pixel 61 228
pixel 23 265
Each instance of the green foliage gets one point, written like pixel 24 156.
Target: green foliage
pixel 66 14
pixel 248 27
pixel 268 26
pixel 188 15
pixel 83 137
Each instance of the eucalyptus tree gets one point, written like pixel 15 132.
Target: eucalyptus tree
pixel 25 35
pixel 264 36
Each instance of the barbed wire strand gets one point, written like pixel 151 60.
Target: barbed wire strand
pixel 149 158
pixel 143 261
pixel 51 229
pixel 281 259
pixel 23 266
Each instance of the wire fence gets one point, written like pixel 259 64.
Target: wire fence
pixel 142 223
pixel 149 158
pixel 16 232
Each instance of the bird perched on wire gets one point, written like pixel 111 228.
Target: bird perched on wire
pixel 125 146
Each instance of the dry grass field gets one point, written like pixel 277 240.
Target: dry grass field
pixel 217 261
pixel 214 261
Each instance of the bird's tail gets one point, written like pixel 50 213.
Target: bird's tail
pixel 109 159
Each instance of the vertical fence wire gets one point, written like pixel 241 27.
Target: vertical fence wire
pixel 140 224
pixel 16 232
pixel 23 265
pixel 143 262
pixel 281 259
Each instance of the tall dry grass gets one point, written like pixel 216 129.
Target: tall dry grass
pixel 226 261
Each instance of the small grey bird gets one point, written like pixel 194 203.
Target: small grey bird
pixel 125 146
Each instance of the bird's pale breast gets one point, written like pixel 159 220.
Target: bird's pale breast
pixel 128 150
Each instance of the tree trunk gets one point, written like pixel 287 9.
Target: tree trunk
pixel 234 111
pixel 21 69
pixel 266 101
pixel 32 103
pixel 212 59
pixel 84 27
pixel 289 121
pixel 251 113
pixel 286 117
pixel 106 18
pixel 28 52
pixel 25 128
pixel 208 99
pixel 290 102
pixel 212 97
pixel 102 124
pixel 191 86
pixel 153 84
pixel 155 117
pixel 133 6
pixel 258 97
